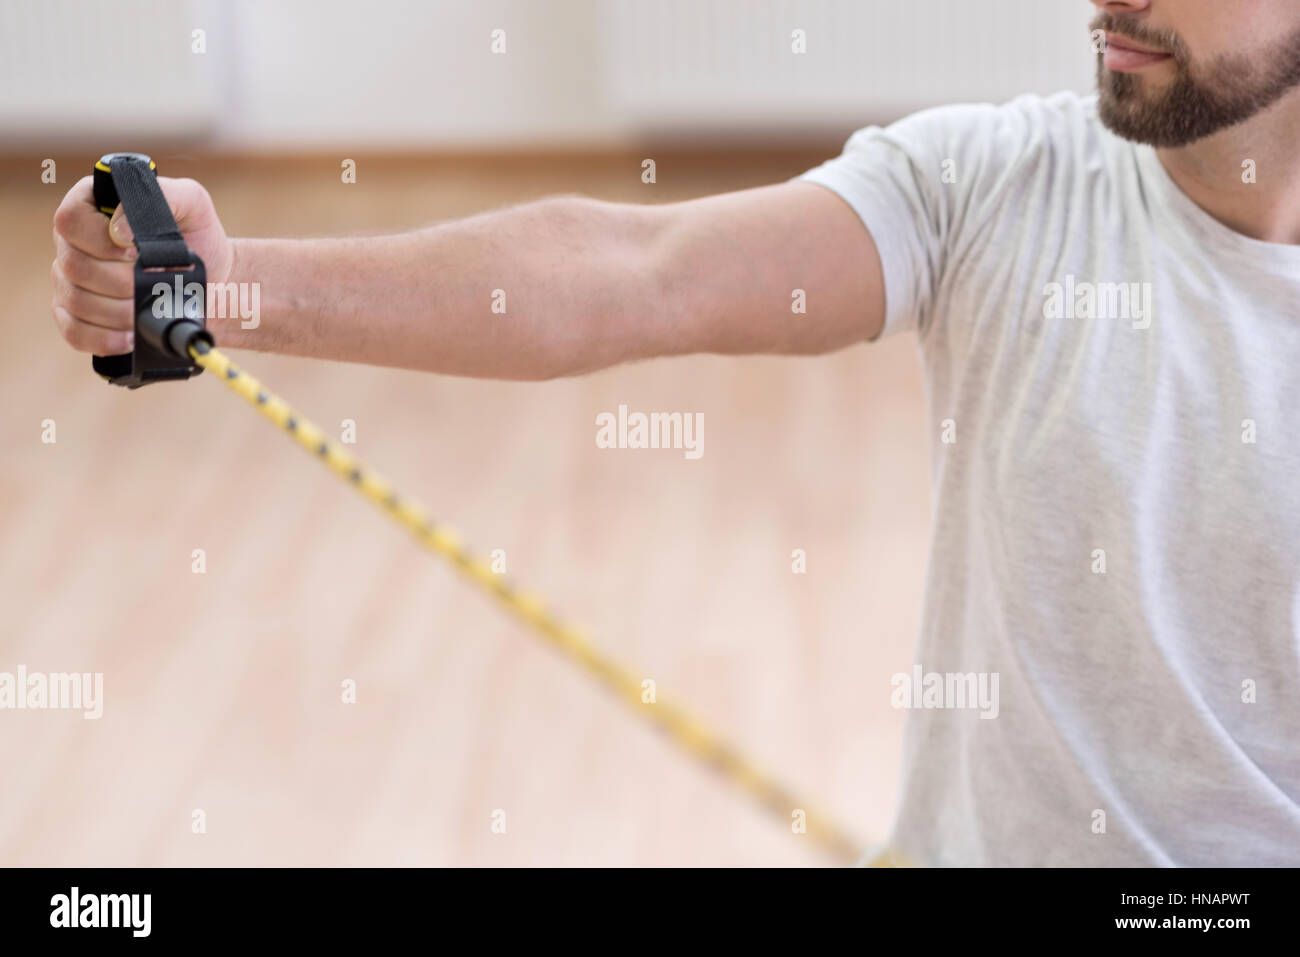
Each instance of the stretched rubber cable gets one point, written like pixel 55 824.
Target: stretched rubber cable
pixel 680 726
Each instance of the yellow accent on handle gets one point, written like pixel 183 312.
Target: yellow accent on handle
pixel 101 165
pixel 681 727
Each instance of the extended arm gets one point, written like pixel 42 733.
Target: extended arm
pixel 583 284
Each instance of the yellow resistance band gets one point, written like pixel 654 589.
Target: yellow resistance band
pixel 680 726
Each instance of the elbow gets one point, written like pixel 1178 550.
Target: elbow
pixel 621 304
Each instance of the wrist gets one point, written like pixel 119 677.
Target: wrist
pixel 234 302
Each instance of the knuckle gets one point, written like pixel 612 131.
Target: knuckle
pixel 77 335
pixel 76 268
pixel 66 325
pixel 62 288
pixel 192 194
pixel 73 268
pixel 76 301
pixel 64 217
pixel 82 336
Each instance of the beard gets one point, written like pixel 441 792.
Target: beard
pixel 1201 100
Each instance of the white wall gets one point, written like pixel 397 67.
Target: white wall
pixel 294 74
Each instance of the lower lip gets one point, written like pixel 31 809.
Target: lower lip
pixel 1130 61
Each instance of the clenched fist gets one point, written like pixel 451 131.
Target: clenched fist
pixel 94 263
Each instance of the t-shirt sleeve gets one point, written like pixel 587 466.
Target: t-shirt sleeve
pixel 917 185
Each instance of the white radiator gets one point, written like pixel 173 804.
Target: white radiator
pixel 77 68
pixel 294 74
pixel 730 64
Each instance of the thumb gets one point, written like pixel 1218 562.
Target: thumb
pixel 119 230
pixel 187 199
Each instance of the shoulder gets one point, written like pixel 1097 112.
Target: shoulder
pixel 996 138
pixel 984 149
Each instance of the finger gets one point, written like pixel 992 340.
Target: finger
pixel 185 197
pixel 85 337
pixel 82 193
pixel 90 307
pixel 83 226
pixel 106 277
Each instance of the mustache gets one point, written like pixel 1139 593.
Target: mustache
pixel 1130 27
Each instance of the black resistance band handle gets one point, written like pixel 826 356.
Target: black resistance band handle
pixel 170 280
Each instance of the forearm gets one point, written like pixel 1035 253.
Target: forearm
pixel 557 287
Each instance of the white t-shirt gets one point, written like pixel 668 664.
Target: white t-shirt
pixel 1113 380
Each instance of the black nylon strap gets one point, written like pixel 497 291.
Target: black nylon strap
pixel 156 234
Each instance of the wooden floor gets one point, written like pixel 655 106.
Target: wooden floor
pixel 222 690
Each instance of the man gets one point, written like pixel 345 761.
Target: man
pixel 1106 293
